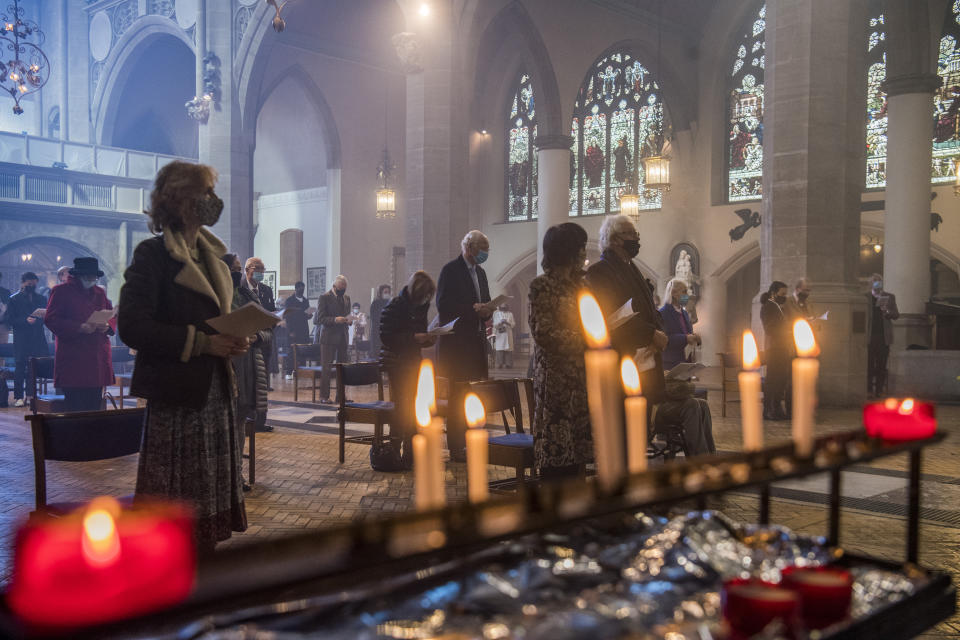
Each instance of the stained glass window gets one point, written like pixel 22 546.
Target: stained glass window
pixel 876 99
pixel 946 100
pixel 521 156
pixel 745 113
pixel 616 117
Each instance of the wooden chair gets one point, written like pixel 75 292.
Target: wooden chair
pixel 729 387
pixel 122 360
pixel 81 437
pixel 376 413
pixel 250 430
pixel 39 375
pixel 302 355
pixel 511 449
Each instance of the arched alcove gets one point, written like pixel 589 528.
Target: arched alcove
pixel 43 255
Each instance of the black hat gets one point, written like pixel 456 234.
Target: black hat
pixel 86 267
pixel 29 275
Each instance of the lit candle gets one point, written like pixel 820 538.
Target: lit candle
pixel 635 407
pixel 603 394
pixel 806 368
pixel 749 605
pixel 749 382
pixel 825 593
pixel 101 564
pixel 432 430
pixel 421 474
pixel 477 439
pixel 898 420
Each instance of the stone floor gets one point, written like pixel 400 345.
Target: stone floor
pixel 300 485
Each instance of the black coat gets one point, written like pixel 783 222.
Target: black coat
pixel 613 282
pixel 165 299
pixel 399 322
pixel 777 330
pixel 295 316
pixel 463 353
pixel 376 310
pixel 28 339
pixel 330 306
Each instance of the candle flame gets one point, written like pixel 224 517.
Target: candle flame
pixel 593 324
pixel 100 541
pixel 803 338
pixel 890 404
pixel 906 407
pixel 751 355
pixel 426 401
pixel 473 409
pixel 630 376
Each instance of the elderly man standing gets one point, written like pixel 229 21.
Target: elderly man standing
pixel 27 324
pixel 615 279
pixel 252 282
pixel 333 316
pixel 462 295
pixel 883 311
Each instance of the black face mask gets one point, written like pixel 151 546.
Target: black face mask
pixel 30 288
pixel 632 247
pixel 802 296
pixel 340 292
pixel 209 209
pixel 236 276
pixel 780 299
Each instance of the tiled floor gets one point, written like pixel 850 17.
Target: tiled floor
pixel 300 485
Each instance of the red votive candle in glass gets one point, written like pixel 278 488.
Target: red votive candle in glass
pixel 899 420
pixel 825 593
pixel 750 605
pixel 101 564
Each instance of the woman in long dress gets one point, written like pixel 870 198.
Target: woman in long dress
pixel 562 440
pixel 176 282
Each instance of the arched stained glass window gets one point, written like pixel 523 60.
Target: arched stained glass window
pixel 946 100
pixel 616 118
pixel 521 156
pixel 876 99
pixel 745 113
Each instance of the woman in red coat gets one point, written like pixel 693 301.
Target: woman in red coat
pixel 82 367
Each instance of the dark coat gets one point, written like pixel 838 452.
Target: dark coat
pixel 330 306
pixel 677 334
pixel 613 282
pixel 888 313
pixel 296 319
pixel 398 324
pixel 263 293
pixel 376 310
pixel 28 339
pixel 463 353
pixel 250 367
pixel 777 330
pixel 82 359
pixel 165 299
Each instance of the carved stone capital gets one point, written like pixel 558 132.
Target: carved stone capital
pixel 912 83
pixel 553 141
pixel 409 51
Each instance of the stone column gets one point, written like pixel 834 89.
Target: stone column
pixel 813 173
pixel 553 185
pixel 64 72
pixel 712 309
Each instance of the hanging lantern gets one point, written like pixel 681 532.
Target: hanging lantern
pixel 956 184
pixel 630 204
pixel 657 171
pixel 386 196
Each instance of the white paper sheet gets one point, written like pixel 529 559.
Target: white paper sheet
pixel 245 321
pixel 102 316
pixel 437 330
pixel 621 316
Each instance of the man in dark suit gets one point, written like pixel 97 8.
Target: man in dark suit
pixel 253 270
pixel 614 279
pixel 333 316
pixel 462 295
pixel 883 311
pixel 295 316
pixel 28 337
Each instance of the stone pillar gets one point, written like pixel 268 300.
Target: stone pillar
pixel 64 73
pixel 553 185
pixel 813 173
pixel 712 327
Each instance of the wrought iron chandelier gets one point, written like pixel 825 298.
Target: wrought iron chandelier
pixel 25 67
pixel 386 195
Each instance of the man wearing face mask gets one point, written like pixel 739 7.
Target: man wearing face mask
pixel 384 296
pixel 295 316
pixel 253 282
pixel 799 303
pixel 615 279
pixel 883 311
pixel 333 316
pixel 28 338
pixel 83 365
pixel 462 295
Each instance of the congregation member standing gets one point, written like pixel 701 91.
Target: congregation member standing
pixel 503 324
pixel 376 308
pixel 615 279
pixel 798 305
pixel 27 324
pixel 175 283
pixel 333 316
pixel 296 318
pixel 403 332
pixel 462 295
pixel 357 336
pixel 4 301
pixel 882 312
pixel 83 365
pixel 562 439
pixel 778 347
pixel 677 324
pixel 254 271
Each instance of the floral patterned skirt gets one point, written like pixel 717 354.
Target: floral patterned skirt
pixel 194 456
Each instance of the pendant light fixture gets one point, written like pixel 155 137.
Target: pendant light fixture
pixel 386 195
pixel 656 167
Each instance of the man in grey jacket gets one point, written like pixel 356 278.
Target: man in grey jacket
pixel 333 316
pixel 882 312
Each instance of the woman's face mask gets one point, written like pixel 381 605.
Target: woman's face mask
pixel 235 276
pixel 209 209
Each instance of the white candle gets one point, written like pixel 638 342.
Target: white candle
pixel 603 396
pixel 432 432
pixel 635 407
pixel 421 474
pixel 806 368
pixel 750 409
pixel 477 443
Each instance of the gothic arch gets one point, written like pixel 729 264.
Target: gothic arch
pixel 105 101
pixel 70 248
pixel 732 265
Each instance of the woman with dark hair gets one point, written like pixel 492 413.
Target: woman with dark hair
pixel 562 440
pixel 778 347
pixel 175 283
